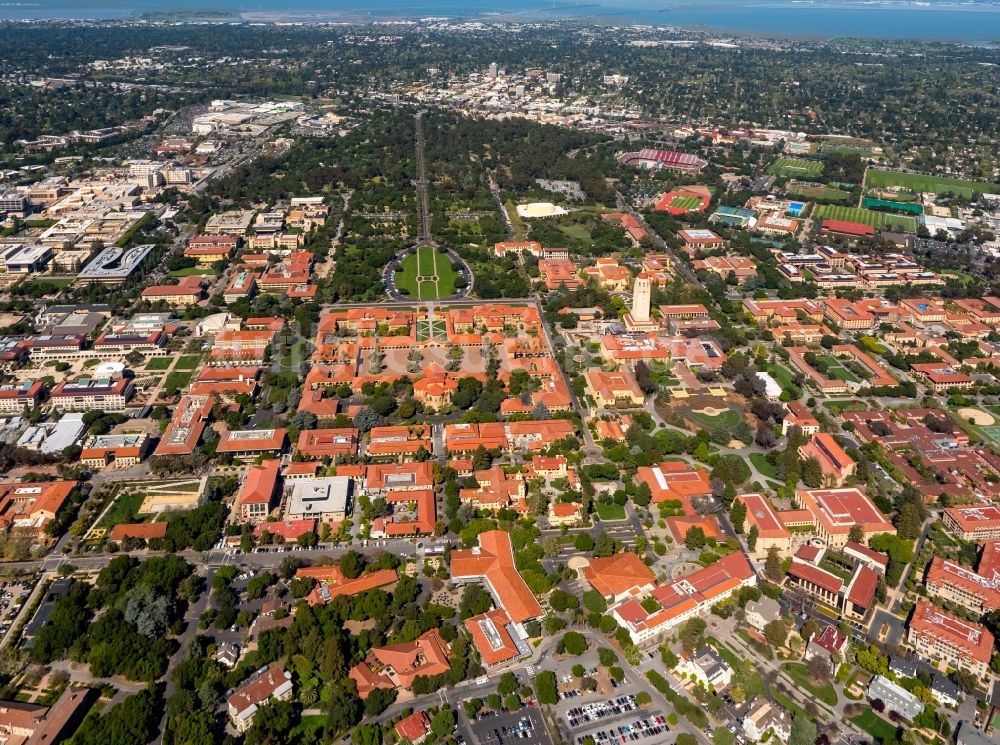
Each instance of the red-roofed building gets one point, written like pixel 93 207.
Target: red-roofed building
pixel 815 581
pixel 942 376
pixel 386 477
pixel 558 273
pixel 139 531
pixel 619 576
pixel 186 292
pixel 977 590
pixel 564 513
pixel 676 480
pixel 414 513
pixel 685 598
pixel 974 522
pixel 837 466
pixel 859 595
pixel 405 440
pixel 848 228
pixel 186 426
pixel 771 532
pixel 226 382
pixel 29 507
pixel 496 638
pixel 247 700
pixel 331 582
pixel 259 491
pixel 328 443
pixel 251 443
pixel 799 416
pixel 414 728
pixel 836 511
pixel 492 563
pixel 289 530
pixel 936 634
pixel 396 666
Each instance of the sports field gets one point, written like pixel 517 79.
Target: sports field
pixel 877 220
pixel 923 183
pixel 809 190
pixel 681 200
pixel 685 201
pixel 795 167
pixel 426 275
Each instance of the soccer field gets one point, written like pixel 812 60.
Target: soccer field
pixel 795 167
pixel 426 275
pixel 685 202
pixel 878 220
pixel 922 183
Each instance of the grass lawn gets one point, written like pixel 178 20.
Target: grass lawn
pixel 877 220
pixel 875 725
pixel 609 512
pixel 816 191
pixel 765 468
pixel 782 376
pixel 838 370
pixel 685 202
pixel 577 232
pixel 177 379
pixel 188 362
pixel 431 329
pixel 728 419
pixel 307 724
pixel 158 363
pixel 795 167
pixel 924 183
pixel 426 275
pixel 193 271
pixel 125 509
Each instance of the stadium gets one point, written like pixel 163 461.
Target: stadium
pixel 684 199
pixel 651 159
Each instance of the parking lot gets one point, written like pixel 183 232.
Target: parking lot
pixel 13 593
pixel 638 730
pixel 595 711
pixel 524 727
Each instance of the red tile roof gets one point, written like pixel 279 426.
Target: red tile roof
pixel 617 574
pixel 493 561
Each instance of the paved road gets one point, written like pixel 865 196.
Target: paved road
pixel 501 208
pixel 683 269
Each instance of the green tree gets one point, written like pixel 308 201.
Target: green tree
pixel 772 565
pixel 546 688
pixel 776 632
pixel 856 534
pixel 752 537
pixel 443 723
pixel 573 643
pixel 695 539
pixel 803 731
pixel 507 683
